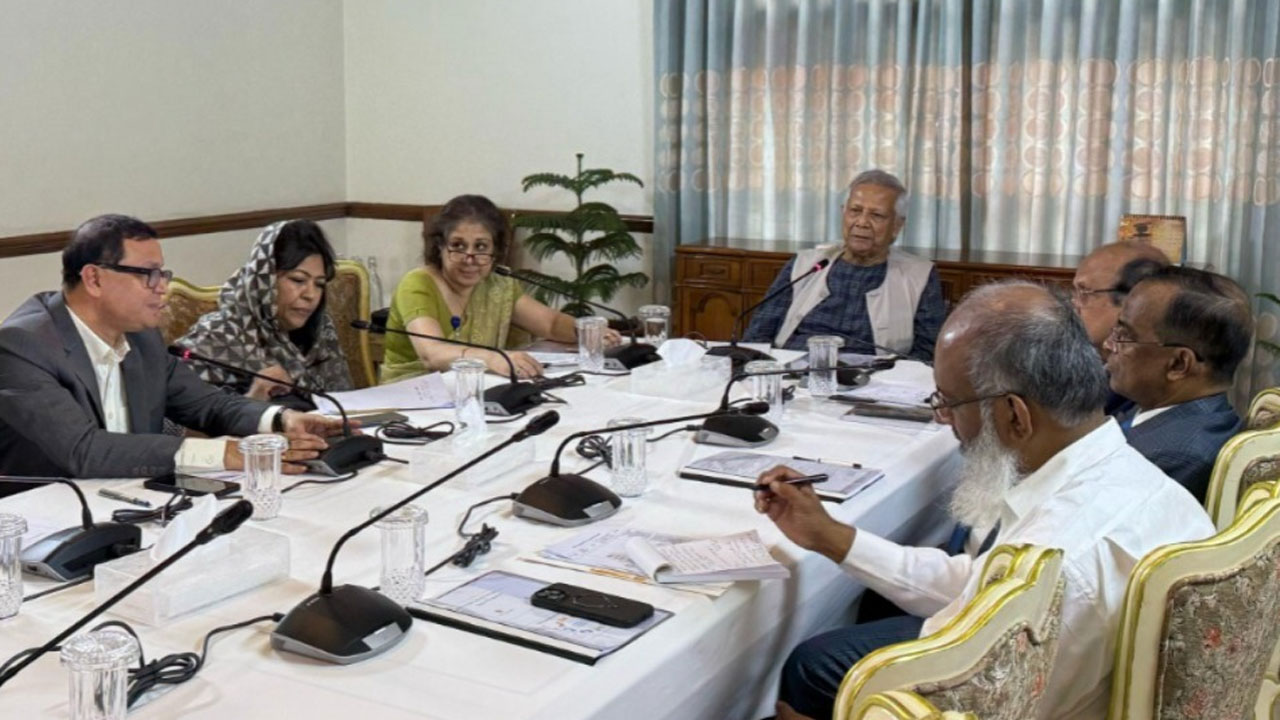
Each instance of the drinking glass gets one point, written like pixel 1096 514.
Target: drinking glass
pixel 627 475
pixel 262 455
pixel 404 553
pixel 591 342
pixel 98 664
pixel 655 320
pixel 468 394
pixel 766 387
pixel 823 353
pixel 12 528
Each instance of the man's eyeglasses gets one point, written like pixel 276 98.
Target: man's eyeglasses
pixel 1119 336
pixel 942 407
pixel 460 253
pixel 153 275
pixel 1080 294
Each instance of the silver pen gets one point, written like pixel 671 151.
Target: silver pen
pixel 113 495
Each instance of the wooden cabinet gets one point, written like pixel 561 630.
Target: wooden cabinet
pixel 718 279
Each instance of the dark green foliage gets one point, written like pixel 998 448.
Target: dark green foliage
pixel 590 232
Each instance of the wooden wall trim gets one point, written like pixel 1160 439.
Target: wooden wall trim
pixel 47 242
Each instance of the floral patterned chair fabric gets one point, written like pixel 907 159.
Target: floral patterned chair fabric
pixel 347 299
pixel 1199 623
pixel 992 659
pixel 1248 458
pixel 186 303
pixel 1264 411
pixel 906 705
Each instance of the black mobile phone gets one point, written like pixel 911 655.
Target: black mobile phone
pixel 592 605
pixel 192 485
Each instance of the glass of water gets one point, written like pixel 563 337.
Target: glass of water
pixel 591 342
pixel 12 528
pixel 98 666
pixel 655 320
pixel 823 353
pixel 766 387
pixel 627 447
pixel 404 553
pixel 468 394
pixel 262 455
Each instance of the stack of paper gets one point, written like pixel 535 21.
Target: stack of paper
pixel 416 393
pixel 733 557
pixel 603 551
pixel 741 469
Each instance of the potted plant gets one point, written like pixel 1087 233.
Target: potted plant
pixel 592 236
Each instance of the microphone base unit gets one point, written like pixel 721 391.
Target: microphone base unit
pixel 566 500
pixel 512 398
pixel 347 455
pixel 347 625
pixel 736 431
pixel 633 355
pixel 738 355
pixel 72 553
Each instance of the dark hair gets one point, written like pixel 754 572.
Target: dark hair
pixel 473 208
pixel 100 241
pixel 296 241
pixel 1132 273
pixel 1210 314
pixel 1039 350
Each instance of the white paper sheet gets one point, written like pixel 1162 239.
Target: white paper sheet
pixel 733 557
pixel 416 393
pixel 892 393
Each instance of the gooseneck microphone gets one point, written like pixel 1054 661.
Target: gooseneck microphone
pixel 512 398
pixel 349 623
pixel 72 553
pixel 631 355
pixel 740 356
pixel 343 456
pixel 224 522
pixel 569 499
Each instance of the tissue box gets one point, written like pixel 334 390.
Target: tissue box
pixel 707 376
pixel 432 461
pixel 233 564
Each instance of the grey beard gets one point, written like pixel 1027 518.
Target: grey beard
pixel 990 470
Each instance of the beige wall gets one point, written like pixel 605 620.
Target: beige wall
pixel 444 98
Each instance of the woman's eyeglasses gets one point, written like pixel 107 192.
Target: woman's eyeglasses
pixel 460 253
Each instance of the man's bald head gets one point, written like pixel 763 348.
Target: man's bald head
pixel 1103 279
pixel 1021 338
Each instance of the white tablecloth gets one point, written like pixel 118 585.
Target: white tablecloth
pixel 714 659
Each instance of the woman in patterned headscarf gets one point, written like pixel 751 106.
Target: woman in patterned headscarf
pixel 271 318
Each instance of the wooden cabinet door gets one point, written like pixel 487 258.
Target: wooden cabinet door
pixel 709 311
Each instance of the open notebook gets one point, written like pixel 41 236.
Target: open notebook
pixel 733 557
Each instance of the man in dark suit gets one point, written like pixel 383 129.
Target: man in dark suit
pixel 1174 350
pixel 86 381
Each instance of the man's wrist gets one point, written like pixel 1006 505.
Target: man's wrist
pixel 836 541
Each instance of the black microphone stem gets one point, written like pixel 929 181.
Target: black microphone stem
pixel 86 516
pixel 508 272
pixel 111 601
pixel 326 583
pixel 737 323
pixel 555 463
pixel 367 327
pixel 742 375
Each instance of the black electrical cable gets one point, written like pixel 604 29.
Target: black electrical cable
pixel 403 433
pixel 511 419
pixel 177 503
pixel 467 515
pixel 57 588
pixel 329 481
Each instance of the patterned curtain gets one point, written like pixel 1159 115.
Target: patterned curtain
pixel 1032 131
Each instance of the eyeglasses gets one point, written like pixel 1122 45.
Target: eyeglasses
pixel 1080 294
pixel 460 254
pixel 942 407
pixel 1117 339
pixel 153 275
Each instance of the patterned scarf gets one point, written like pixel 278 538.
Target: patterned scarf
pixel 243 330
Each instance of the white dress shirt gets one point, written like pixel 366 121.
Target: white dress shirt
pixel 1100 501
pixel 1146 415
pixel 194 454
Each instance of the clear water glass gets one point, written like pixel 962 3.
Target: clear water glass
pixel 823 353
pixel 404 553
pixel 262 455
pixel 98 663
pixel 468 394
pixel 766 387
pixel 627 447
pixel 655 320
pixel 12 528
pixel 591 342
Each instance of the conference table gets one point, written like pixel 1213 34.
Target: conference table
pixel 714 658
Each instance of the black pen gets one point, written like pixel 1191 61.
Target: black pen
pixel 802 480
pixel 114 495
pixel 854 465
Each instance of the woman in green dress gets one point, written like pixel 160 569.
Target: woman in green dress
pixel 456 295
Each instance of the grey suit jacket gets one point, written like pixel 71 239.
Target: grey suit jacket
pixel 51 420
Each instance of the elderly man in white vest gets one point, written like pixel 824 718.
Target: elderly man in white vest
pixel 876 297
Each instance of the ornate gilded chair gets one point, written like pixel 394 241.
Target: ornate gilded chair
pixel 1264 411
pixel 1248 458
pixel 906 705
pixel 347 299
pixel 992 659
pixel 1200 622
pixel 186 303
